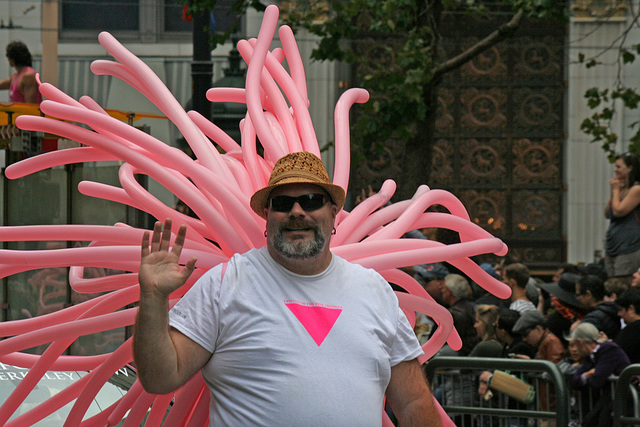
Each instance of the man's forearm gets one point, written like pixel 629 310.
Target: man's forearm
pixel 153 350
pixel 420 413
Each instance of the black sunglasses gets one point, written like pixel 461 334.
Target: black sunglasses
pixel 308 202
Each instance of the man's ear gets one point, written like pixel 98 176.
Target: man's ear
pixel 334 210
pixel 632 307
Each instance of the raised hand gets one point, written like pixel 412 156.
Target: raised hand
pixel 616 184
pixel 160 273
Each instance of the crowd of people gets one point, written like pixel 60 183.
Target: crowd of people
pixel 583 321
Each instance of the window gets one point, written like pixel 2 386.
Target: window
pixel 109 15
pixel 134 20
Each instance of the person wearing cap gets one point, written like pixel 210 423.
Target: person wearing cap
pixel 287 334
pixel 627 339
pixel 599 360
pixel 532 327
pixel 431 277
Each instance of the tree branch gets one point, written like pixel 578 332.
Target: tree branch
pixel 505 31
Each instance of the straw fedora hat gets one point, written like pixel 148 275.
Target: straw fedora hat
pixel 296 168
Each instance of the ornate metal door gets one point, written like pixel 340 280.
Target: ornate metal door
pixel 499 136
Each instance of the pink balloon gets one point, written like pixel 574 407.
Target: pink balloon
pixel 135 398
pixel 186 399
pixel 361 212
pixel 214 132
pixel 200 145
pixel 158 410
pixel 139 410
pixel 55 158
pixel 50 405
pixel 28 383
pixel 294 60
pixel 281 111
pixel 225 234
pixel 341 119
pixel 200 415
pixel 100 376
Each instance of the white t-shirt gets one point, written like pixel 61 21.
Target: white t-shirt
pixel 522 305
pixel 295 350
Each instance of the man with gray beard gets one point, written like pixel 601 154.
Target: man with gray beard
pixel 287 334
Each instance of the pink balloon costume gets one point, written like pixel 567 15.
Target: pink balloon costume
pixel 217 187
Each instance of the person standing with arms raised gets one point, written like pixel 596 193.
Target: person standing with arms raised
pixel 287 334
pixel 622 240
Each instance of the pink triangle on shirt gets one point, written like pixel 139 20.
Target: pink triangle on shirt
pixel 317 320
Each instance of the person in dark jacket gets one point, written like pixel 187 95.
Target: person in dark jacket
pixel 602 314
pixel 599 360
pixel 627 339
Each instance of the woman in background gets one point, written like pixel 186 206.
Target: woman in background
pixel 486 321
pixel 622 242
pixel 22 85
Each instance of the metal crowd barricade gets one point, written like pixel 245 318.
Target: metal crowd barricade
pixel 626 400
pixel 454 381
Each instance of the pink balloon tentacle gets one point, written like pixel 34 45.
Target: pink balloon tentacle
pixel 55 158
pixel 214 132
pixel 292 53
pixel 342 133
pixel 281 111
pixel 345 230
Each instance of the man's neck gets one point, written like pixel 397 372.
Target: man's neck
pixel 518 293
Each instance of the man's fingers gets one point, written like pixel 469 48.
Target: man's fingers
pixel 155 239
pixel 166 235
pixel 179 242
pixel 189 267
pixel 145 244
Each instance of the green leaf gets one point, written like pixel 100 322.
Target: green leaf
pixel 627 57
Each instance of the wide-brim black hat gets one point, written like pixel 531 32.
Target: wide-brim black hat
pixel 564 289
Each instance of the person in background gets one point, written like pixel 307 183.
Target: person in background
pixel 22 84
pixel 455 296
pixel 635 279
pixel 485 325
pixel 482 296
pixel 431 277
pixel 622 239
pixel 565 307
pixel 602 314
pixel 599 359
pixel 614 287
pixel 513 344
pixel 516 276
pixel 629 337
pixel 533 328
